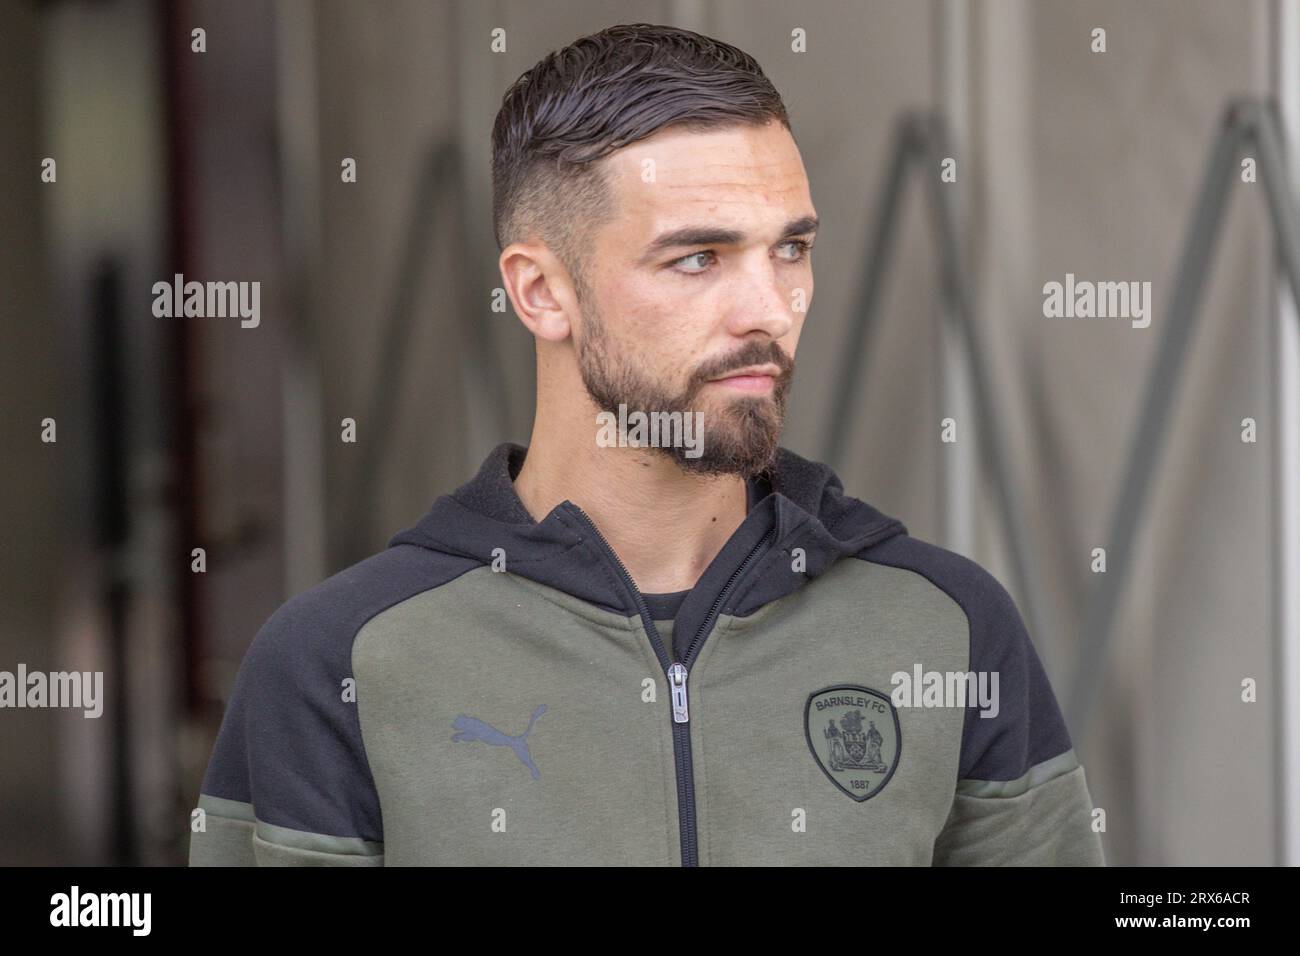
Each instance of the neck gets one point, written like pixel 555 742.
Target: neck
pixel 664 524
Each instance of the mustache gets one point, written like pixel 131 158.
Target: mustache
pixel 752 353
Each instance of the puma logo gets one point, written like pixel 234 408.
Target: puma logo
pixel 471 729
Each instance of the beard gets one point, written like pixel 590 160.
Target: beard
pixel 740 433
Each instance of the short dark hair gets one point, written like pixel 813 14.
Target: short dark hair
pixel 598 94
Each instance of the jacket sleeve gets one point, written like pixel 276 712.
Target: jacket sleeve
pixel 288 783
pixel 1021 797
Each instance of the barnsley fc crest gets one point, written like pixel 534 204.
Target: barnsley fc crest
pixel 854 736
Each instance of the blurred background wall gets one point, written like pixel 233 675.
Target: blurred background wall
pixel 376 305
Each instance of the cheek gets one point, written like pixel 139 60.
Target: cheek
pixel 790 341
pixel 667 325
pixel 805 284
pixel 800 287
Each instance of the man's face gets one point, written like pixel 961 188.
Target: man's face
pixel 703 275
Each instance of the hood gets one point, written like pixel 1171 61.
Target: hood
pixel 806 508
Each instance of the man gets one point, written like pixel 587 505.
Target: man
pixel 609 648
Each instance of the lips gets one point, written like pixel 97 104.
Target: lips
pixel 753 371
pixel 759 378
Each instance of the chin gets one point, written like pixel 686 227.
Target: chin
pixel 745 456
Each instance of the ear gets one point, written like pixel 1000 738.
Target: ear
pixel 539 288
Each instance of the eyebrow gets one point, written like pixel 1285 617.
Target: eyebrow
pixel 714 236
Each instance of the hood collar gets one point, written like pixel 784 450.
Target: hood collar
pixel 807 508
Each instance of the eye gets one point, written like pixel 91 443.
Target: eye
pixel 801 249
pixel 693 259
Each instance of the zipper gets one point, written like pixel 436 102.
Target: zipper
pixel 690 844
pixel 677 673
pixel 677 684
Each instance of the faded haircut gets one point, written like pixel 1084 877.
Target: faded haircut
pixel 598 94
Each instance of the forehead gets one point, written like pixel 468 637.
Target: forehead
pixel 741 175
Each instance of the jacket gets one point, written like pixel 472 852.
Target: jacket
pixel 493 690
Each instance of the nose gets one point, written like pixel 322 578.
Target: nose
pixel 762 302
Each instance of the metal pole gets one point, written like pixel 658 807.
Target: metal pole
pixel 880 248
pixel 919 140
pixel 301 392
pixel 1285 446
pixel 1179 321
pixel 434 177
pixel 957 291
pixel 960 464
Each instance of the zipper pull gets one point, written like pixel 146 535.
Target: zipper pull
pixel 677 682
